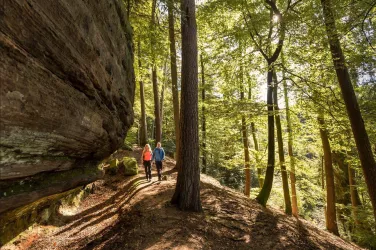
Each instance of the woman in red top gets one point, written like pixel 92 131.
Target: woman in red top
pixel 146 161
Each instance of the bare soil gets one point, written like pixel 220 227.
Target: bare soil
pixel 131 213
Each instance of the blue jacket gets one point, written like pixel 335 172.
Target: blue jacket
pixel 158 154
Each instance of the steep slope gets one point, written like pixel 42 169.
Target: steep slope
pixel 130 213
pixel 66 94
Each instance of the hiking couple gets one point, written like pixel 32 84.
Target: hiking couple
pixel 149 156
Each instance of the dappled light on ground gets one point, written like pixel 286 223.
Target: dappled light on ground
pixel 131 213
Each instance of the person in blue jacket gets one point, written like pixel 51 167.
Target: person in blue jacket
pixel 158 157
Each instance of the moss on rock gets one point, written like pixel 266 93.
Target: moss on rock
pixel 114 167
pixel 130 166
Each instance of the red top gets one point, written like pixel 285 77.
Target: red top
pixel 147 156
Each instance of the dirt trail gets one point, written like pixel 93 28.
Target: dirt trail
pixel 131 213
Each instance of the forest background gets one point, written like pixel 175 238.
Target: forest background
pixel 235 40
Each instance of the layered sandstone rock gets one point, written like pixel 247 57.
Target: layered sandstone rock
pixel 66 93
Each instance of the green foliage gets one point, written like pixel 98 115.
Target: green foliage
pixel 233 61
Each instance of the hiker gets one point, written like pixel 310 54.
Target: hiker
pixel 158 157
pixel 146 161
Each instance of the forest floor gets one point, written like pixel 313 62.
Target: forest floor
pixel 131 213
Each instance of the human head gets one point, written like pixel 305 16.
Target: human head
pixel 159 145
pixel 147 147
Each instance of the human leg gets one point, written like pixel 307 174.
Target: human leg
pixel 149 169
pixel 159 169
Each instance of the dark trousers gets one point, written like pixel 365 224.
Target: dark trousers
pixel 147 165
pixel 159 168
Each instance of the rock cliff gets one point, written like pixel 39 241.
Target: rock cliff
pixel 66 93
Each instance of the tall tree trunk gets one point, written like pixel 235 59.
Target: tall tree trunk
pixel 357 124
pixel 255 142
pixel 161 101
pixel 290 146
pixel 143 127
pixel 331 218
pixel 158 127
pixel 174 74
pixel 157 114
pixel 281 153
pixel 163 91
pixel 247 165
pixel 264 194
pixel 187 191
pixel 355 202
pixel 203 125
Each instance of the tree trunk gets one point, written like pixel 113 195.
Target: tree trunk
pixel 162 92
pixel 295 211
pixel 158 127
pixel 355 202
pixel 331 218
pixel 281 153
pixel 255 142
pixel 157 114
pixel 360 134
pixel 203 126
pixel 187 191
pixel 247 163
pixel 143 127
pixel 264 194
pixel 174 74
pixel 247 166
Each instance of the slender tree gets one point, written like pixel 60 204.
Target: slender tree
pixel 247 164
pixel 354 195
pixel 157 114
pixel 255 142
pixel 357 124
pixel 203 120
pixel 290 147
pixel 143 125
pixel 187 191
pixel 264 194
pixel 281 153
pixel 174 74
pixel 331 218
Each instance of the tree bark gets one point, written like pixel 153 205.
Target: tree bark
pixel 187 191
pixel 162 92
pixel 355 201
pixel 331 218
pixel 203 125
pixel 158 127
pixel 281 153
pixel 247 165
pixel 157 114
pixel 290 151
pixel 264 194
pixel 255 142
pixel 357 124
pixel 143 127
pixel 174 74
